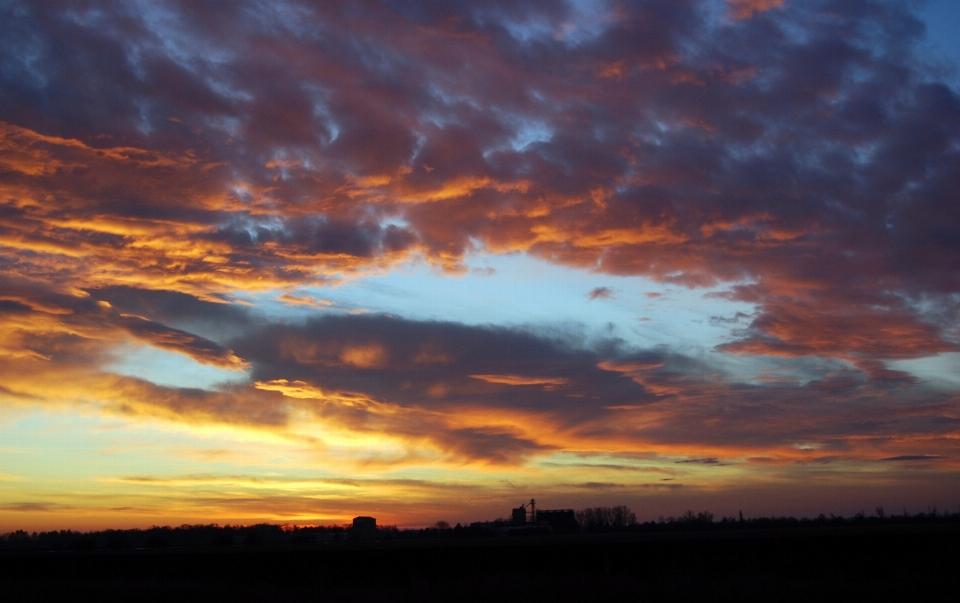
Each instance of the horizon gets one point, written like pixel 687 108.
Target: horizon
pixel 281 262
pixel 687 517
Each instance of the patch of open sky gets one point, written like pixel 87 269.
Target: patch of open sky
pixel 284 18
pixel 334 129
pixel 651 135
pixel 78 447
pixel 762 147
pixel 942 19
pixel 714 12
pixel 449 99
pixel 808 21
pixel 445 112
pixel 530 30
pixel 699 43
pixel 529 131
pixel 30 52
pixel 167 28
pixel 519 290
pixel 88 17
pixel 170 369
pixel 232 126
pixel 321 109
pixel 191 52
pixel 146 115
pixel 387 64
pixel 417 148
pixel 100 21
pixel 205 65
pixel 243 194
pixel 941 371
pixel 590 19
pixel 863 154
pixel 934 309
pixel 50 445
pixel 255 227
pixel 224 88
pixel 398 220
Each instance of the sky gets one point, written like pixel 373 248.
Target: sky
pixel 295 262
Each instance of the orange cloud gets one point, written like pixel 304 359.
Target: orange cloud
pixel 311 302
pixel 364 356
pixel 33 154
pixel 519 380
pixel 745 9
pixel 796 329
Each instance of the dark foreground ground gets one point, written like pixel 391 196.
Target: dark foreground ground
pixel 891 563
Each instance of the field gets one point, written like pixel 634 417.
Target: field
pixel 867 563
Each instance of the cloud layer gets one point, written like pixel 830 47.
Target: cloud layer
pixel 160 161
pixel 805 152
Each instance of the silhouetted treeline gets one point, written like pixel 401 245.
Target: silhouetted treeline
pixel 597 519
pixel 590 520
pixel 621 519
pixel 183 536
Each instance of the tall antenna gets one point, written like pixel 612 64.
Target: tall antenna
pixel 533 511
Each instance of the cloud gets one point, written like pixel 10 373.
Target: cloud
pixel 913 457
pixel 744 9
pixel 704 461
pixel 753 156
pixel 600 293
pixel 599 486
pixel 408 392
pixel 200 349
pixel 161 165
pixel 34 507
pixel 655 397
pixel 519 380
pixel 310 302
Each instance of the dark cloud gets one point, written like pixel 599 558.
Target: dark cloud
pixel 436 364
pixel 599 486
pixel 8 306
pixel 316 235
pixel 737 319
pixel 913 457
pixel 158 335
pixel 600 293
pixel 34 507
pixel 216 317
pixel 704 461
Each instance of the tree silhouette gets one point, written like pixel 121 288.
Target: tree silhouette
pixel 598 519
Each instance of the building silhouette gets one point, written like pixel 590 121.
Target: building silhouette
pixel 364 525
pixel 519 516
pixel 561 521
pixel 527 520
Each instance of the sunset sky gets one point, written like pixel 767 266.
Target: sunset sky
pixel 300 261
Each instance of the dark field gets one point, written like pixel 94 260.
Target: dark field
pixel 870 563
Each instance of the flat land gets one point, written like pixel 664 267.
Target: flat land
pixel 888 563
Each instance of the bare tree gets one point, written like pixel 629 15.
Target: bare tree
pixel 605 518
